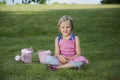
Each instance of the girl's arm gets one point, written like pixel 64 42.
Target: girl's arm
pixel 78 49
pixel 62 59
pixel 57 50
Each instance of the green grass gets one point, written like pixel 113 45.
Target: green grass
pixel 98 27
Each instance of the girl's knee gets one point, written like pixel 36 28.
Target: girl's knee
pixel 52 60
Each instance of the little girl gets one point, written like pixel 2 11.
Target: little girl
pixel 67 47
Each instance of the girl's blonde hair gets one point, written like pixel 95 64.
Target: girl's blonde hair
pixel 65 18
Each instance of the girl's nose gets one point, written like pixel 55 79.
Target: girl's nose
pixel 65 29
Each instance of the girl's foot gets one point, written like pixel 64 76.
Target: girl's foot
pixel 52 67
pixel 77 68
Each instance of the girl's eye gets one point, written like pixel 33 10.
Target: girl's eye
pixel 68 27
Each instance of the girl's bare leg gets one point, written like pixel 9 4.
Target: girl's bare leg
pixel 60 64
pixel 68 65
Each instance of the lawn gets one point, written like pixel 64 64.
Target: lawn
pixel 23 26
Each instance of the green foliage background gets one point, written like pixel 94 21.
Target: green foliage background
pixel 111 1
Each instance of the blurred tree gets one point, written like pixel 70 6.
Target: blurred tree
pixel 42 1
pixel 110 1
pixel 36 1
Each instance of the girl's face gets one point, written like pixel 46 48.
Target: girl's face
pixel 65 28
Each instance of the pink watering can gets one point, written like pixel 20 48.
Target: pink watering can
pixel 26 55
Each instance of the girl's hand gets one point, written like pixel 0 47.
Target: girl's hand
pixel 69 58
pixel 62 59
